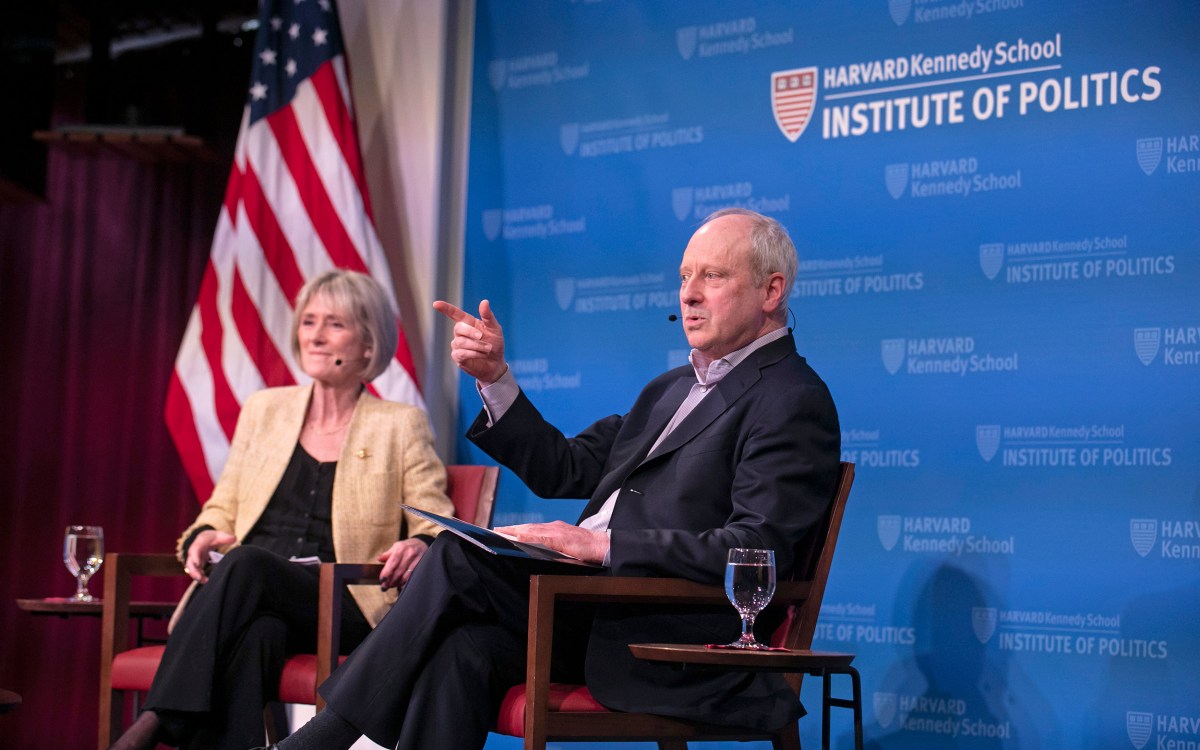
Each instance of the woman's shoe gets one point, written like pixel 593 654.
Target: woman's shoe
pixel 143 734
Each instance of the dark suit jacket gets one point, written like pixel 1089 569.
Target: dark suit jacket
pixel 754 465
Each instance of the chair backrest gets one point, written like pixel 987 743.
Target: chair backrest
pixel 539 710
pixel 119 571
pixel 472 489
pixel 813 560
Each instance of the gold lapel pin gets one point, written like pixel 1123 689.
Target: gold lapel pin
pixel 363 453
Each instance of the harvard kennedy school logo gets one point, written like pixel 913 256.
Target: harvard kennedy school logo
pixel 1146 342
pixel 885 708
pixel 991 258
pixel 987 440
pixel 983 622
pixel 1139 725
pixel 793 95
pixel 892 353
pixel 888 530
pixel 1149 154
pixel 1143 533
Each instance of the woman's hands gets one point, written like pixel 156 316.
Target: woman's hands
pixel 399 561
pixel 197 554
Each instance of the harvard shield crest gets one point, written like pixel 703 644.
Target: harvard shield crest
pixel 793 96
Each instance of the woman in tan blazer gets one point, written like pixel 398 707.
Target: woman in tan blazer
pixel 315 471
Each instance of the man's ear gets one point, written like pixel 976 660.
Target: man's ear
pixel 774 300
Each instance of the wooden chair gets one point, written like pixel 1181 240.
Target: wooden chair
pixel 539 710
pixel 123 669
pixel 472 489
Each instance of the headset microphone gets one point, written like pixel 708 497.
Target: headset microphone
pixel 672 318
pixel 337 362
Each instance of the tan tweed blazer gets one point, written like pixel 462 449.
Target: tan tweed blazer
pixel 388 459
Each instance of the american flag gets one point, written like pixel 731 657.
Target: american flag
pixel 296 205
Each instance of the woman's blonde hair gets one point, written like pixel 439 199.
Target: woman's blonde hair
pixel 361 300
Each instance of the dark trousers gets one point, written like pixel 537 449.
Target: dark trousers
pixel 223 659
pixel 433 673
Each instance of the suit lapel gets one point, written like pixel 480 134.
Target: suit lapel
pixel 713 405
pixel 726 393
pixel 277 441
pixel 361 437
pixel 660 415
pixel 361 450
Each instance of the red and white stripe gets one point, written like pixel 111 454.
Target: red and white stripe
pixel 296 205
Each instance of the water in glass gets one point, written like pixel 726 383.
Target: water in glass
pixel 83 554
pixel 749 584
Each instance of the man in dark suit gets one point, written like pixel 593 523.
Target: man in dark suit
pixel 740 449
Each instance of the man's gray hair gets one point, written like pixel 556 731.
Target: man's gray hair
pixel 771 248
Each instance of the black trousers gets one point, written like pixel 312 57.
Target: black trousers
pixel 223 660
pixel 433 673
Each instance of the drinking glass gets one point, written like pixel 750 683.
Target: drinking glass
pixel 749 584
pixel 83 553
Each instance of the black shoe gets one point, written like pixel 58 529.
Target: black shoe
pixel 143 734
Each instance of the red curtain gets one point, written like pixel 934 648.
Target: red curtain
pixel 95 288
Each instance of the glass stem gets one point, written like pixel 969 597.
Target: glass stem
pixel 80 588
pixel 748 628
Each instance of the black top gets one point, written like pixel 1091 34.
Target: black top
pixel 298 520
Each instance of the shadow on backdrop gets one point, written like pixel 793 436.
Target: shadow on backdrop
pixel 952 691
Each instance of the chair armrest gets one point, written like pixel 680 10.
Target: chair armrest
pixel 120 568
pixel 146 564
pixel 632 590
pixel 334 578
pixel 347 574
pixel 546 590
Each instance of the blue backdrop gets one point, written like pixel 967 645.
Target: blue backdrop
pixel 996 206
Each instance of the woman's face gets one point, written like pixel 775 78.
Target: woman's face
pixel 332 349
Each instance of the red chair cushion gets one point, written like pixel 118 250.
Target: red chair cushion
pixel 511 720
pixel 297 683
pixel 134 669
